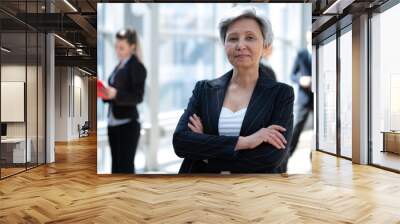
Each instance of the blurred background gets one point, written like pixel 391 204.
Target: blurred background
pixel 180 45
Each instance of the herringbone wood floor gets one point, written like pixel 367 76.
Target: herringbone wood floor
pixel 70 191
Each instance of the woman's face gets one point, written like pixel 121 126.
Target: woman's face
pixel 244 43
pixel 123 49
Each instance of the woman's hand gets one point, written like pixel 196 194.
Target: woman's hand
pixel 271 135
pixel 195 124
pixel 305 81
pixel 110 93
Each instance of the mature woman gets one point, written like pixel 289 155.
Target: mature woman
pixel 242 121
pixel 125 91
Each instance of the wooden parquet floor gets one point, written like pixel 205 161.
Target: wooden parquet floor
pixel 70 191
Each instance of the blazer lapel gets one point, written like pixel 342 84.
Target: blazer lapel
pixel 257 104
pixel 216 95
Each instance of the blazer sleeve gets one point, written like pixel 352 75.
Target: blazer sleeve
pixel 137 79
pixel 265 156
pixel 106 101
pixel 188 144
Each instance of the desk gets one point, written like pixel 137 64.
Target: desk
pixel 391 141
pixel 13 150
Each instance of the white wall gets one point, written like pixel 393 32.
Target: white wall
pixel 71 94
pixel 80 100
pixel 12 73
pixel 61 103
pixel 16 73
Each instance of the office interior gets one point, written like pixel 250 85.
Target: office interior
pixel 357 79
pixel 47 83
pixel 53 177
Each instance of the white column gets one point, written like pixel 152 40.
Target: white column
pixel 151 152
pixel 50 99
pixel 360 90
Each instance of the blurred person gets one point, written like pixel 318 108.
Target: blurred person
pixel 242 121
pixel 301 74
pixel 125 91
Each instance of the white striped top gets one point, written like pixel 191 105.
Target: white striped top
pixel 229 123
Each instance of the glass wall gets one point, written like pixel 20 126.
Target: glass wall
pixel 22 91
pixel 326 95
pixel 346 93
pixel 13 86
pixel 31 96
pixel 385 89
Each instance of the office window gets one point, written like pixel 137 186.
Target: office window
pixel 14 151
pixel 327 97
pixel 22 93
pixel 385 87
pixel 187 44
pixel 346 94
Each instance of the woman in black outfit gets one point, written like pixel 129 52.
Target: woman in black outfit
pixel 125 91
pixel 242 121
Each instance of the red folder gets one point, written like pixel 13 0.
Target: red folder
pixel 101 89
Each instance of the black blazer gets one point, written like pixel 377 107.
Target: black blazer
pixel 129 82
pixel 302 67
pixel 268 71
pixel 270 103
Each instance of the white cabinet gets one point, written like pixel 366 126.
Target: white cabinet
pixel 19 155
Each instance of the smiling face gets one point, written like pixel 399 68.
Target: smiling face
pixel 244 43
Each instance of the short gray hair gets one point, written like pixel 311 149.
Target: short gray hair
pixel 237 13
